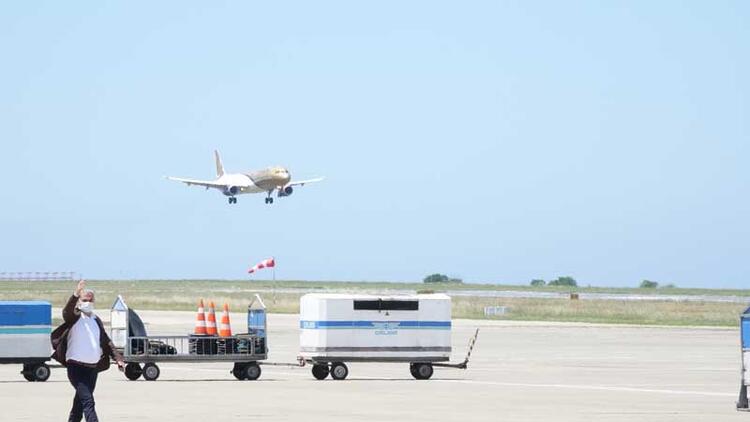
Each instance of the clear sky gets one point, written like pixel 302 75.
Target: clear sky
pixel 494 141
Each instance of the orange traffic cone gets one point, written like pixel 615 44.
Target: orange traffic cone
pixel 211 320
pixel 225 329
pixel 200 320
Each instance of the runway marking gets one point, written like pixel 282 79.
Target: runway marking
pixel 592 387
pixel 504 384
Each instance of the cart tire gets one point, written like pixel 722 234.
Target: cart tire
pixel 133 371
pixel 239 371
pixel 423 371
pixel 150 372
pixel 26 372
pixel 413 370
pixel 40 372
pixel 320 372
pixel 339 371
pixel 252 371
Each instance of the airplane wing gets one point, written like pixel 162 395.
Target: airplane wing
pixel 191 182
pixel 304 182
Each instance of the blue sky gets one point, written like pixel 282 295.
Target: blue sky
pixel 493 141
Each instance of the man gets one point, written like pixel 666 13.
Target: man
pixel 82 345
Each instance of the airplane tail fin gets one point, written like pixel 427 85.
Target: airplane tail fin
pixel 219 165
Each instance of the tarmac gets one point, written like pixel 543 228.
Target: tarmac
pixel 518 372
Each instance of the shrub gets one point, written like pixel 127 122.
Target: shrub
pixel 436 278
pixel 538 282
pixel 563 281
pixel 648 284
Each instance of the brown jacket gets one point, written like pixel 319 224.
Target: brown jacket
pixel 59 337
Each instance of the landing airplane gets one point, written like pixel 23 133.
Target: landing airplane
pixel 267 180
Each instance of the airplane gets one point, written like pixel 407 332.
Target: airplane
pixel 267 180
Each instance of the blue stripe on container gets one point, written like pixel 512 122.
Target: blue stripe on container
pixel 745 332
pixel 315 325
pixel 14 313
pixel 25 330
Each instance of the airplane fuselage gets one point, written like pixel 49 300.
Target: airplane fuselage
pixel 266 180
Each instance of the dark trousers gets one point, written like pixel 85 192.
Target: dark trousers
pixel 83 380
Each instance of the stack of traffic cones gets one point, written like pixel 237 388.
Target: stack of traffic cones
pixel 225 329
pixel 205 321
pixel 211 320
pixel 200 320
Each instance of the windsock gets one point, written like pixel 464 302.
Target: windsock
pixel 266 263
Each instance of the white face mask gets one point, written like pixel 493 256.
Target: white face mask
pixel 86 307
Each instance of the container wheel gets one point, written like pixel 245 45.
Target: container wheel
pixel 422 371
pixel 26 372
pixel 133 371
pixel 40 372
pixel 320 372
pixel 252 371
pixel 339 371
pixel 150 372
pixel 413 370
pixel 239 370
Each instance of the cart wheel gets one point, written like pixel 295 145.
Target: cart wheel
pixel 339 371
pixel 40 372
pixel 238 370
pixel 422 371
pixel 252 371
pixel 413 370
pixel 133 371
pixel 319 371
pixel 150 372
pixel 26 372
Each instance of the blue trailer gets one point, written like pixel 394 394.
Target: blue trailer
pixel 745 358
pixel 25 328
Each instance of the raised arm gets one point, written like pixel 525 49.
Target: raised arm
pixel 68 312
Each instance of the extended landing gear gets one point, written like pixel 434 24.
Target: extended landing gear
pixel 269 200
pixel 232 200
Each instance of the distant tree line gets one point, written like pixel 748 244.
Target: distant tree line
pixel 441 278
pixel 648 284
pixel 559 281
pixel 571 282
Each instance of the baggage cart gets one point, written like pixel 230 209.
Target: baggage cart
pixel 142 352
pixel 340 328
pixel 25 328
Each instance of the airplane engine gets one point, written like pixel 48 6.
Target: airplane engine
pixel 286 191
pixel 231 190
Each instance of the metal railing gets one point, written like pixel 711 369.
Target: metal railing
pixel 243 347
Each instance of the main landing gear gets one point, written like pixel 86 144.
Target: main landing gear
pixel 232 200
pixel 269 199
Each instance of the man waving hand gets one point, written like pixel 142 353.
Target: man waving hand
pixel 82 345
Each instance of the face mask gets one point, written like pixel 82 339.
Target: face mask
pixel 86 307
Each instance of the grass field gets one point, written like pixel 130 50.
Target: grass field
pixel 183 295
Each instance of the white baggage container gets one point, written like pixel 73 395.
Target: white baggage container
pixel 25 328
pixel 338 328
